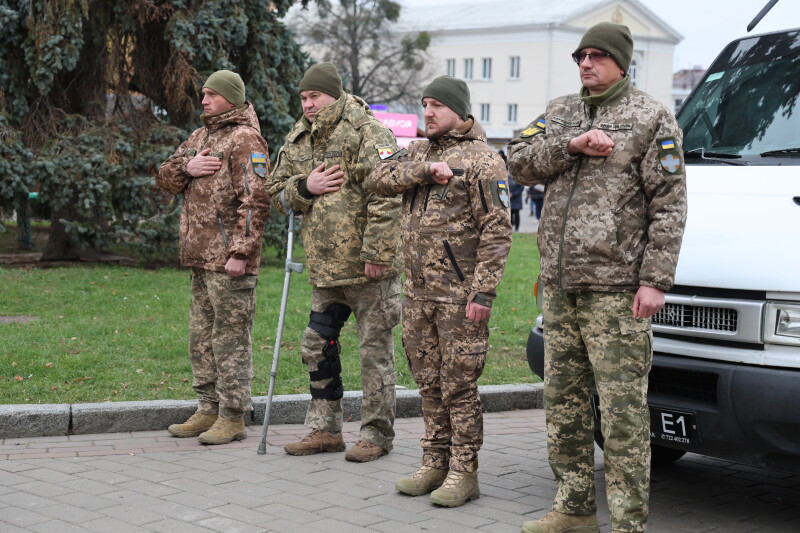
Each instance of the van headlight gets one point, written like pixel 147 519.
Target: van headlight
pixel 782 323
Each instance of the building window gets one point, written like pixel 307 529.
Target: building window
pixel 487 68
pixel 512 113
pixel 513 71
pixel 678 103
pixel 468 69
pixel 450 67
pixel 484 112
pixel 633 71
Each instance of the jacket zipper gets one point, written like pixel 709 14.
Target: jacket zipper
pixel 222 231
pixel 413 199
pixel 453 261
pixel 592 114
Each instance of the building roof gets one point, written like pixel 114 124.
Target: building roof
pixel 473 14
pixel 444 15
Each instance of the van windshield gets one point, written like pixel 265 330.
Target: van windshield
pixel 747 104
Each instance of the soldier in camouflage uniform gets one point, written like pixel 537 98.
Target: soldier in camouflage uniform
pixel 221 172
pixel 456 234
pixel 609 238
pixel 351 239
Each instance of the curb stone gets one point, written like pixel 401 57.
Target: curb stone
pixel 47 420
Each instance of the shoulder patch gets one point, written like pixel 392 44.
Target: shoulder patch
pixel 385 151
pixel 398 154
pixel 534 128
pixel 500 192
pixel 259 162
pixel 669 155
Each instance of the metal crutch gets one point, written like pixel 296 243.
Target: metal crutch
pixel 291 266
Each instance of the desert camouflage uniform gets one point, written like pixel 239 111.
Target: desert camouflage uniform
pixel 456 239
pixel 609 225
pixel 223 216
pixel 341 231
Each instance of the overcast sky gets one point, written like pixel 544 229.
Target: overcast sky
pixel 706 25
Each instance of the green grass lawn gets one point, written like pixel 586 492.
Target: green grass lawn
pixel 100 333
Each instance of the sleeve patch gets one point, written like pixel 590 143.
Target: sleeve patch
pixel 500 192
pixel 398 154
pixel 669 155
pixel 385 151
pixel 259 162
pixel 536 127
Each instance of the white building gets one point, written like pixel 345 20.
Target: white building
pixel 515 54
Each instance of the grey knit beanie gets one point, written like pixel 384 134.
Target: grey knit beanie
pixel 228 84
pixel 451 92
pixel 612 38
pixel 322 77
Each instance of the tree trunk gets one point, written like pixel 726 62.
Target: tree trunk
pixel 60 246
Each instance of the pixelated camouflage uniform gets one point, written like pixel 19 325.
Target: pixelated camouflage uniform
pixel 609 225
pixel 456 239
pixel 223 216
pixel 341 231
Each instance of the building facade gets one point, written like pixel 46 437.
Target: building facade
pixel 515 54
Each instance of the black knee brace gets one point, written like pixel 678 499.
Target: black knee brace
pixel 328 324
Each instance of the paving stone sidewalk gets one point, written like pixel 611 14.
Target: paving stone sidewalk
pixel 151 482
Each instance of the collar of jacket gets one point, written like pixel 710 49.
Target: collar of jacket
pixel 611 95
pixel 348 107
pixel 470 130
pixel 235 115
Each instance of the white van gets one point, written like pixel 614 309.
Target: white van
pixel 725 380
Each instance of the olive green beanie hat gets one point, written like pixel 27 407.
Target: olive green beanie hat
pixel 612 38
pixel 322 77
pixel 228 84
pixel 452 92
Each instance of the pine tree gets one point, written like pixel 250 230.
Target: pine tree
pixel 95 94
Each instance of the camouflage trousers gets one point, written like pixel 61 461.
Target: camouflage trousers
pixel 446 354
pixel 592 340
pixel 220 346
pixel 376 307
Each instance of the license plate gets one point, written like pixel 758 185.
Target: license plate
pixel 672 426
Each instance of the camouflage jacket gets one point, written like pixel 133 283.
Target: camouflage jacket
pixel 223 214
pixel 342 230
pixel 456 237
pixel 609 223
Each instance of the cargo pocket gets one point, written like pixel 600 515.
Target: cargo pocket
pixel 465 359
pixel 391 309
pixel 634 347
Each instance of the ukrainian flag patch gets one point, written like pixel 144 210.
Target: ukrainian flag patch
pixel 259 162
pixel 502 193
pixel 669 155
pixel 534 128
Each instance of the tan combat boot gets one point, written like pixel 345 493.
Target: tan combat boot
pixel 457 489
pixel 315 442
pixel 197 423
pixel 555 522
pixel 424 480
pixel 223 431
pixel 363 452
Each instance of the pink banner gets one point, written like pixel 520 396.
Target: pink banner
pixel 401 124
